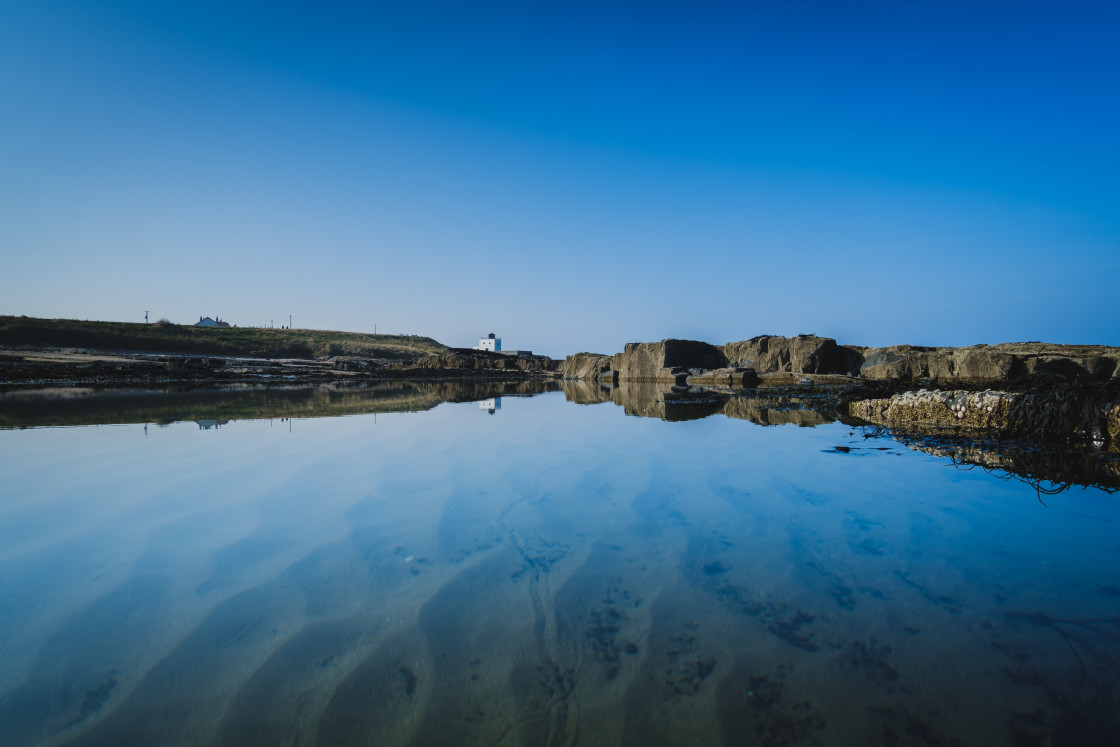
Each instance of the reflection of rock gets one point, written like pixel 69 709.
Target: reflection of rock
pixel 585 366
pixel 653 400
pixel 801 354
pixel 473 391
pixel 30 408
pixel 668 402
pixel 1058 468
pixel 583 392
pixel 668 361
pixel 774 411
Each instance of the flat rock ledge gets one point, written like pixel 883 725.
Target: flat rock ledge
pixel 1056 415
pixel 986 410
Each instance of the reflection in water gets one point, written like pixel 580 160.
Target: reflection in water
pixel 674 403
pixel 555 575
pixel 1047 468
pixel 87 406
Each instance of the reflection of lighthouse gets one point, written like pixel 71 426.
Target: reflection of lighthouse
pixel 491 404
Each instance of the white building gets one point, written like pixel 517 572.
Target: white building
pixel 491 343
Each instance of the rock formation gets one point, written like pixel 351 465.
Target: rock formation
pixel 1086 414
pixel 982 364
pixel 462 359
pixel 588 366
pixel 801 354
pixel 668 361
pixel 958 410
pixel 737 377
pixel 674 361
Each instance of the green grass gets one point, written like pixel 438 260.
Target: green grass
pixel 164 337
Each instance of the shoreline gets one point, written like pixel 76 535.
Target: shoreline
pixel 1070 396
pixel 1019 435
pixel 46 367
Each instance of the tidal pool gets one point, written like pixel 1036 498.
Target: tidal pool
pixel 529 571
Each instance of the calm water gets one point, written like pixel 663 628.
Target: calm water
pixel 548 573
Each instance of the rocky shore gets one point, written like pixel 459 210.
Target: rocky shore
pixel 1028 391
pixel 71 367
pixel 1068 393
pixel 1007 363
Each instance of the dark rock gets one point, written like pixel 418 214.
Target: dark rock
pixel 463 359
pixel 986 364
pixel 667 361
pixel 585 366
pixel 801 354
pixel 733 377
pixel 341 363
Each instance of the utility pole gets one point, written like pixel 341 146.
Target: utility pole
pixel 289 321
pixel 375 329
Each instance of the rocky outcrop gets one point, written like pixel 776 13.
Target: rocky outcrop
pixel 668 361
pixel 984 364
pixel 1086 414
pixel 350 363
pixel 480 361
pixel 732 377
pixel 936 408
pixel 589 366
pixel 681 361
pixel 801 354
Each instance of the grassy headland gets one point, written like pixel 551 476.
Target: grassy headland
pixel 165 337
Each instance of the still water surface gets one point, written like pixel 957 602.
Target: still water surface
pixel 547 573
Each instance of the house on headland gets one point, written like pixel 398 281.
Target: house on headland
pixel 490 343
pixel 493 344
pixel 205 321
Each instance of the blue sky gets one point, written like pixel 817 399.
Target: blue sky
pixel 571 176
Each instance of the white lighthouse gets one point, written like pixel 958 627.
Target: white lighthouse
pixel 490 343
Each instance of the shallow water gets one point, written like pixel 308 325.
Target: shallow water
pixel 548 573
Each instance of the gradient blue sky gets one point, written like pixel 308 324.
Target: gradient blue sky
pixel 571 176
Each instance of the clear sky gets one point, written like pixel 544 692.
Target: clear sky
pixel 572 176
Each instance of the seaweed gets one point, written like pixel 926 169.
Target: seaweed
pixel 1082 713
